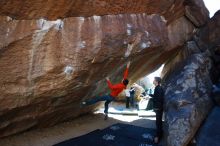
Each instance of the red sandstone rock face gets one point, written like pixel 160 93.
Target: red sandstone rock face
pixel 29 9
pixel 170 9
pixel 48 67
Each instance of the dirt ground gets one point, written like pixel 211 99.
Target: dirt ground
pixel 77 127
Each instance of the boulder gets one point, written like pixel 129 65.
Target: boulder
pixel 187 50
pixel 50 10
pixel 196 12
pixel 187 99
pixel 208 36
pixel 175 36
pixel 55 55
pixel 57 64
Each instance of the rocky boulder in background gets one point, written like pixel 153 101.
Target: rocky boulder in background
pixel 49 67
pixel 208 38
pixel 190 93
pixel 187 99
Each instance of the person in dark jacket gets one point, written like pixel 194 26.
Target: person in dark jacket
pixel 132 93
pixel 130 97
pixel 158 98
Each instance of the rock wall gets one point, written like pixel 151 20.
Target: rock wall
pixel 54 55
pixel 208 38
pixel 187 99
pixel 189 81
pixel 36 9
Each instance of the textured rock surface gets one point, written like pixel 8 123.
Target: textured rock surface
pixel 176 37
pixel 48 67
pixel 29 9
pixel 208 36
pixel 186 109
pixel 187 99
pixel 33 9
pixel 196 12
pixel 187 50
pixel 209 134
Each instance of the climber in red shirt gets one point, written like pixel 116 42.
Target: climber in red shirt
pixel 115 90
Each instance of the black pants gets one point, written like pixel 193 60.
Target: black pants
pixel 159 126
pixel 127 102
pixel 130 101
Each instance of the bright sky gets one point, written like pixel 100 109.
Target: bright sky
pixel 213 6
pixel 155 74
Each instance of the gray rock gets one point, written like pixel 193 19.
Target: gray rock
pixel 209 133
pixel 187 99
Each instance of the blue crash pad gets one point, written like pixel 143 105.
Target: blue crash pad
pixel 115 135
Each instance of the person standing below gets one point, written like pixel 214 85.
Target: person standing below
pixel 129 93
pixel 132 93
pixel 115 91
pixel 158 98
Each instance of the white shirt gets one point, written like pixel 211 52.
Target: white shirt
pixel 127 93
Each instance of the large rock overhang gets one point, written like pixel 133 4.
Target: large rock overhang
pixel 53 55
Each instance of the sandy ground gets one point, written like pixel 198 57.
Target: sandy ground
pixel 77 127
